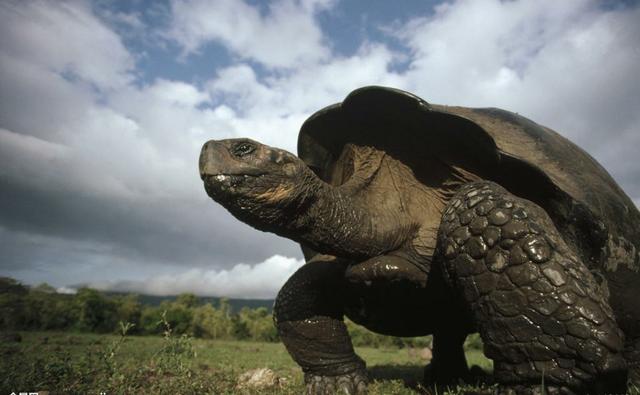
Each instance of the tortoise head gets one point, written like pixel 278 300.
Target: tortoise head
pixel 246 176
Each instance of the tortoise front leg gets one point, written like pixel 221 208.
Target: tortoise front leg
pixel 388 269
pixel 540 313
pixel 308 314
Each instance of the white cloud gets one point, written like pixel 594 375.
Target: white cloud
pixel 286 36
pixel 262 280
pixel 480 50
pixel 305 89
pixel 273 109
pixel 176 93
pixel 66 290
pixel 66 37
pixel 569 66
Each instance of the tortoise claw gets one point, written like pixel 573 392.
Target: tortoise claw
pixel 354 383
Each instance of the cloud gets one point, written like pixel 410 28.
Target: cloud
pixel 286 35
pixel 110 167
pixel 98 169
pixel 65 37
pixel 569 66
pixel 66 290
pixel 262 280
pixel 292 93
pixel 273 109
pixel 35 148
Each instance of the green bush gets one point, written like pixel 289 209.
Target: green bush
pixel 150 319
pixel 96 312
pixel 259 324
pixel 41 308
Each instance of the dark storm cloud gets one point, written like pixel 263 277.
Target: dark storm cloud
pixel 161 231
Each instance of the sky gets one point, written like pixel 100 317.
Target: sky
pixel 104 106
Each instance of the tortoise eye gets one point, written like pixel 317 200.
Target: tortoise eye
pixel 243 149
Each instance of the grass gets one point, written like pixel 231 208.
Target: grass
pixel 94 364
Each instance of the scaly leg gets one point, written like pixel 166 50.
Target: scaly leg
pixel 308 313
pixel 540 313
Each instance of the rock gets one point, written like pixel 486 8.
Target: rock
pixel 259 379
pixel 420 353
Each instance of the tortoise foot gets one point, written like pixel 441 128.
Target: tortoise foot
pixel 354 383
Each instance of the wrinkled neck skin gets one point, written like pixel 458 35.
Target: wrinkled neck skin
pixel 328 219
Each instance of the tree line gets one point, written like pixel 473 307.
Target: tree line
pixel 89 310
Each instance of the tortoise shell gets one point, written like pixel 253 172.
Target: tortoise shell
pixel 596 218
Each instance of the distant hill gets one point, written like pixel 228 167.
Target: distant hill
pixel 236 304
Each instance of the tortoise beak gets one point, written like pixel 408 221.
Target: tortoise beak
pixel 206 159
pixel 211 159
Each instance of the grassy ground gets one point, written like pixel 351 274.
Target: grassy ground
pixel 108 364
pixel 95 364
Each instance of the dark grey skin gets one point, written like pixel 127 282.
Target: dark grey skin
pixel 439 247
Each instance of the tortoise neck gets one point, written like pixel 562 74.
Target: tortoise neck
pixel 333 221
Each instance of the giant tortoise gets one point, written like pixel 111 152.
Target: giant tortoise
pixel 421 219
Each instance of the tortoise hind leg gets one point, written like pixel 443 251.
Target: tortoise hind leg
pixel 540 313
pixel 393 296
pixel 308 314
pixel 449 364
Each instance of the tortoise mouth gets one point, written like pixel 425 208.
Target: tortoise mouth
pixel 228 182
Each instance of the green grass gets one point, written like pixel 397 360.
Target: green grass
pixel 91 364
